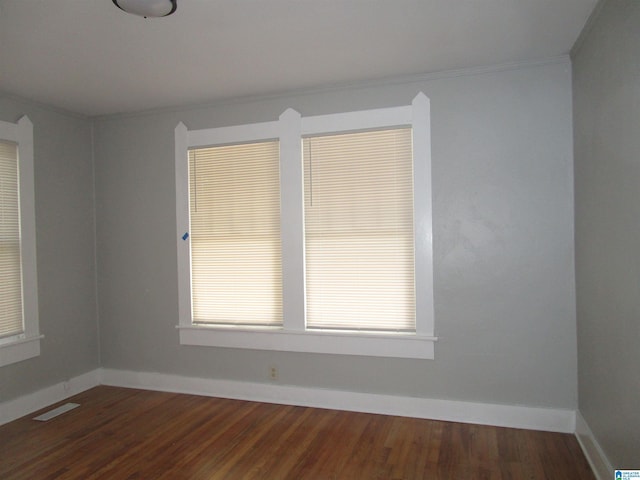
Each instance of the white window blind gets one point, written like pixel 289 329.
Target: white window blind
pixel 11 322
pixel 359 239
pixel 234 205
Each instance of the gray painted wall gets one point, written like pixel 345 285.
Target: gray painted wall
pixel 607 180
pixel 503 234
pixel 65 250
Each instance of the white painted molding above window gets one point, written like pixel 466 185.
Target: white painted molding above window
pixel 23 341
pixel 292 334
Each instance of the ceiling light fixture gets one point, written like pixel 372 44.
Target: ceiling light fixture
pixel 147 8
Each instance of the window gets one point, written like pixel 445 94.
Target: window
pixel 234 206
pixel 310 234
pixel 358 212
pixel 19 334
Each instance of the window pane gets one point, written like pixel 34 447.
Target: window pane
pixel 234 203
pixel 10 266
pixel 359 241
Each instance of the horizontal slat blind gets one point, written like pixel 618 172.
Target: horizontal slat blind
pixel 234 203
pixel 359 241
pixel 10 266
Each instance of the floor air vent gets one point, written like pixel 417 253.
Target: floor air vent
pixel 56 411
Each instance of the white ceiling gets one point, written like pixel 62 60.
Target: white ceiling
pixel 87 56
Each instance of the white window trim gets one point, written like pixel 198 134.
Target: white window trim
pixel 293 336
pixel 25 345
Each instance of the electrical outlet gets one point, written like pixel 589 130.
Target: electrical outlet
pixel 273 373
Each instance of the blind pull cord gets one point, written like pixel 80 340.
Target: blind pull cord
pixel 195 183
pixel 310 176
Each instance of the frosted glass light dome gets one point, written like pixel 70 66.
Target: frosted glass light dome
pixel 147 8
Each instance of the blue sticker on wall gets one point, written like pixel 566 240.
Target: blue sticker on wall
pixel 185 236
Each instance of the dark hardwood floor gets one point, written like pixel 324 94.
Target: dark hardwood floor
pixel 120 433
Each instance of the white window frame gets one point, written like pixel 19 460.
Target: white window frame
pixel 293 336
pixel 26 344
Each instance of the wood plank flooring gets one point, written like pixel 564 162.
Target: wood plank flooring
pixel 120 433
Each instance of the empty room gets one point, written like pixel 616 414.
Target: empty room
pixel 319 239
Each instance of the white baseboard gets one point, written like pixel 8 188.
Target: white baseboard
pixel 533 418
pixel 514 416
pixel 599 462
pixel 19 407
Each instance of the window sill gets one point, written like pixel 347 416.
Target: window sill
pixel 18 349
pixel 337 343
